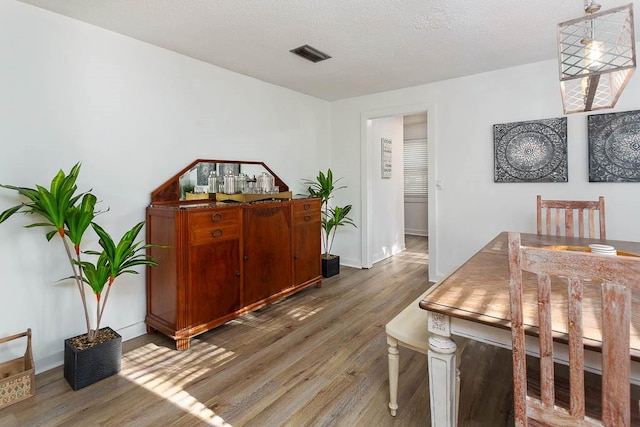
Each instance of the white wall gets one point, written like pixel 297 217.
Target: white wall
pixel 388 217
pixel 471 208
pixel 134 115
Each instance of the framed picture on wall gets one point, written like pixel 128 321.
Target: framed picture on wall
pixel 614 147
pixel 386 157
pixel 532 151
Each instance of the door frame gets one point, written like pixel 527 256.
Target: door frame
pixel 366 149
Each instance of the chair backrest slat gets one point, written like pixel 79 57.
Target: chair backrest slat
pixel 576 350
pixel 616 315
pixel 568 222
pixel 547 390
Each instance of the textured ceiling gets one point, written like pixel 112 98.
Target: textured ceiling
pixel 376 45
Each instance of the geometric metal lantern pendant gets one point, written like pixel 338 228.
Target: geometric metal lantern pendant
pixel 597 56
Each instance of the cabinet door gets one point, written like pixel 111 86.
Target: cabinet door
pixel 306 241
pixel 267 251
pixel 163 284
pixel 213 265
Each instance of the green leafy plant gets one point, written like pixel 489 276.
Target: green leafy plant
pixel 186 187
pixel 333 217
pixel 68 214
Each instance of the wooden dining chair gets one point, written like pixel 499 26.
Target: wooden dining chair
pixel 615 276
pixel 552 213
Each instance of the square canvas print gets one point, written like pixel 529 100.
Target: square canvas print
pixel 531 151
pixel 614 147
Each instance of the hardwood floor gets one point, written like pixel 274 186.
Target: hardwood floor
pixel 317 358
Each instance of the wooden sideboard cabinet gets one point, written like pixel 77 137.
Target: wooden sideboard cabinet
pixel 220 260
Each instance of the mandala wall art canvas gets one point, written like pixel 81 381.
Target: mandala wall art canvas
pixel 614 147
pixel 532 151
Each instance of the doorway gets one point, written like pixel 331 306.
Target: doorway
pixel 369 164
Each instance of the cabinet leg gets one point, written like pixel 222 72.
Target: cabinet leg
pixel 183 343
pixel 150 330
pixel 319 284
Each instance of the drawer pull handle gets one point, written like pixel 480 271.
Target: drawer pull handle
pixel 217 217
pixel 217 233
pixel 307 218
pixel 307 206
pixel 237 274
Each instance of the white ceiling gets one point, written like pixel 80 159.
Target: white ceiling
pixel 376 45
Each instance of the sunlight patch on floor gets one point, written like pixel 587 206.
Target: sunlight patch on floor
pixel 413 257
pixel 298 313
pixel 302 313
pixel 165 372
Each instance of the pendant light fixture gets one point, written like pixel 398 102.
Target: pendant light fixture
pixel 597 57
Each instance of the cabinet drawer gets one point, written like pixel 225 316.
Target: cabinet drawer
pixel 310 205
pixel 214 218
pixel 306 217
pixel 213 233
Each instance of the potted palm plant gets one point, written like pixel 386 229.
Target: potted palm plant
pixel 333 217
pixel 68 214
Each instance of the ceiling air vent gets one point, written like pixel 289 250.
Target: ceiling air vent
pixel 310 53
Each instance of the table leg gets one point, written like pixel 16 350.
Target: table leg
pixel 394 356
pixel 444 380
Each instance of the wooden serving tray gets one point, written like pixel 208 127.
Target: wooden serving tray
pixel 246 198
pixel 585 249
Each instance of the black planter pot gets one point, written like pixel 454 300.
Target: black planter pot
pixel 83 367
pixel 330 266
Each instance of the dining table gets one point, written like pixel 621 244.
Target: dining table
pixel 473 302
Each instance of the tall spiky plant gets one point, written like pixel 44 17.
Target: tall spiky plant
pixel 113 261
pixel 68 214
pixel 337 217
pixel 333 217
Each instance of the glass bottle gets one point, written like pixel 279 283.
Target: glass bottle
pixel 260 184
pixel 241 183
pixel 266 182
pixel 213 182
pixel 251 185
pixel 220 184
pixel 229 183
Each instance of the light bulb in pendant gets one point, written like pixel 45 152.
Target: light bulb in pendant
pixel 593 54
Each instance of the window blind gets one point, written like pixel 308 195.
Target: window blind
pixel 415 168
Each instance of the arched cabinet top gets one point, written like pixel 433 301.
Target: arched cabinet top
pixel 190 184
